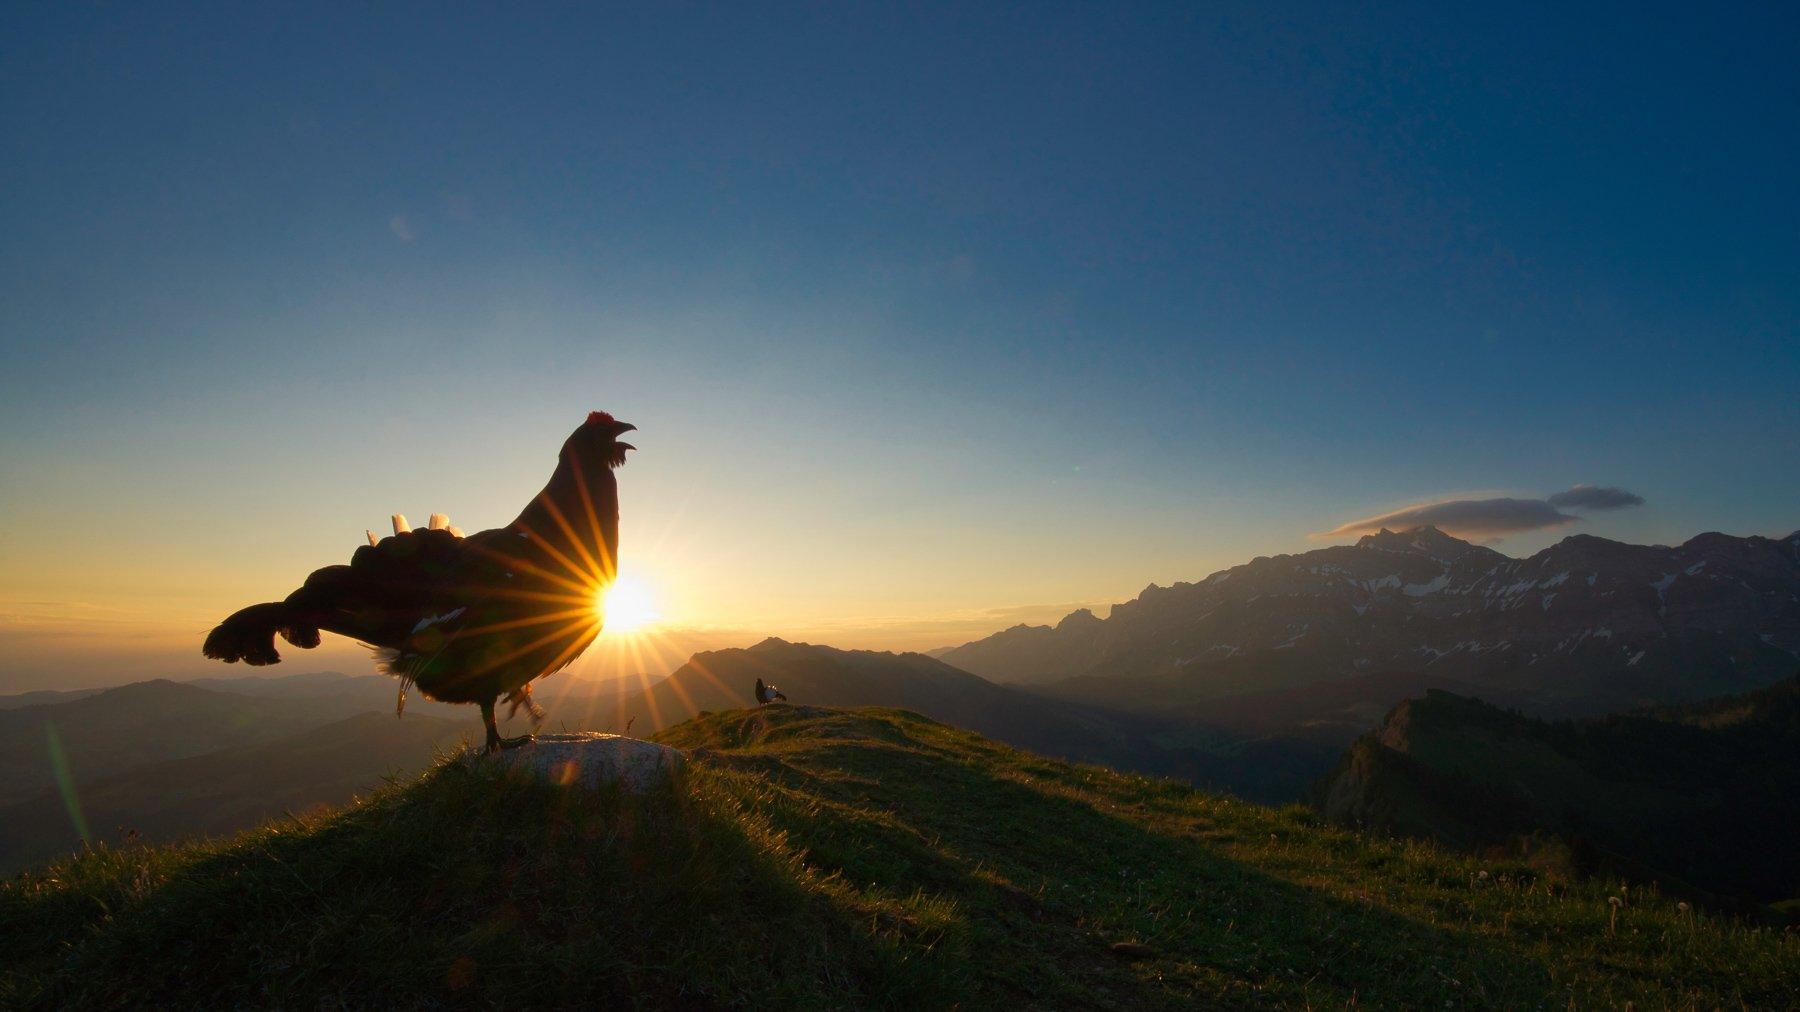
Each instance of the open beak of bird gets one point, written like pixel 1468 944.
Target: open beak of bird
pixel 625 427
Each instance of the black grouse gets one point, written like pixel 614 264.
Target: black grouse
pixel 766 694
pixel 468 619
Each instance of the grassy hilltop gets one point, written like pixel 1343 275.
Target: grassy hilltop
pixel 831 857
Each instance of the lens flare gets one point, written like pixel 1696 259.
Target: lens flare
pixel 627 606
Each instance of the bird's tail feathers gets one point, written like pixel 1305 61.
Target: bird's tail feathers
pixel 249 635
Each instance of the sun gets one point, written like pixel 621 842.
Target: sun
pixel 627 605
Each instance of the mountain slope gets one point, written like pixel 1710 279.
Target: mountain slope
pixel 286 686
pixel 143 722
pixel 1696 796
pixel 829 858
pixel 1585 626
pixel 827 676
pixel 227 790
pixel 379 691
pixel 42 697
pixel 1084 731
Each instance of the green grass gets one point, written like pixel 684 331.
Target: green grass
pixel 830 858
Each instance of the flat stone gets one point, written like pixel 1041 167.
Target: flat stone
pixel 591 759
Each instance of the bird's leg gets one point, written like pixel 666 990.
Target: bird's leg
pixel 522 697
pixel 493 730
pixel 494 742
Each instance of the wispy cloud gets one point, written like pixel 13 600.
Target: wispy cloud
pixel 1497 517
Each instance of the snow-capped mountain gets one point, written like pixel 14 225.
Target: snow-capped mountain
pixel 1585 625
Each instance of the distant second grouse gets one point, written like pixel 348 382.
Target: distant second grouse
pixel 468 619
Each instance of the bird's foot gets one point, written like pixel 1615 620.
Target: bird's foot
pixel 496 743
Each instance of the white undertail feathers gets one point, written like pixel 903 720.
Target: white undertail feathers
pixel 438 522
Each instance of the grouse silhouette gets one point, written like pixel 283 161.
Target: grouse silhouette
pixel 766 694
pixel 468 619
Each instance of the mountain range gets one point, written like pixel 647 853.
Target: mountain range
pixel 1255 680
pixel 1585 626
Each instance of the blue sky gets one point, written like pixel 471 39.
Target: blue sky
pixel 923 312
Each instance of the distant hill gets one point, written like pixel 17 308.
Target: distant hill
pixel 569 702
pixel 1585 626
pixel 1700 797
pixel 827 676
pixel 40 697
pixel 304 683
pixel 1254 766
pixel 226 790
pixel 1334 712
pixel 143 722
pixel 824 858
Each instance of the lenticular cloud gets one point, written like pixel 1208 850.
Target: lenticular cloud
pixel 1595 497
pixel 1481 519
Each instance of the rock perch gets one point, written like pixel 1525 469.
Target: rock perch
pixel 593 760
